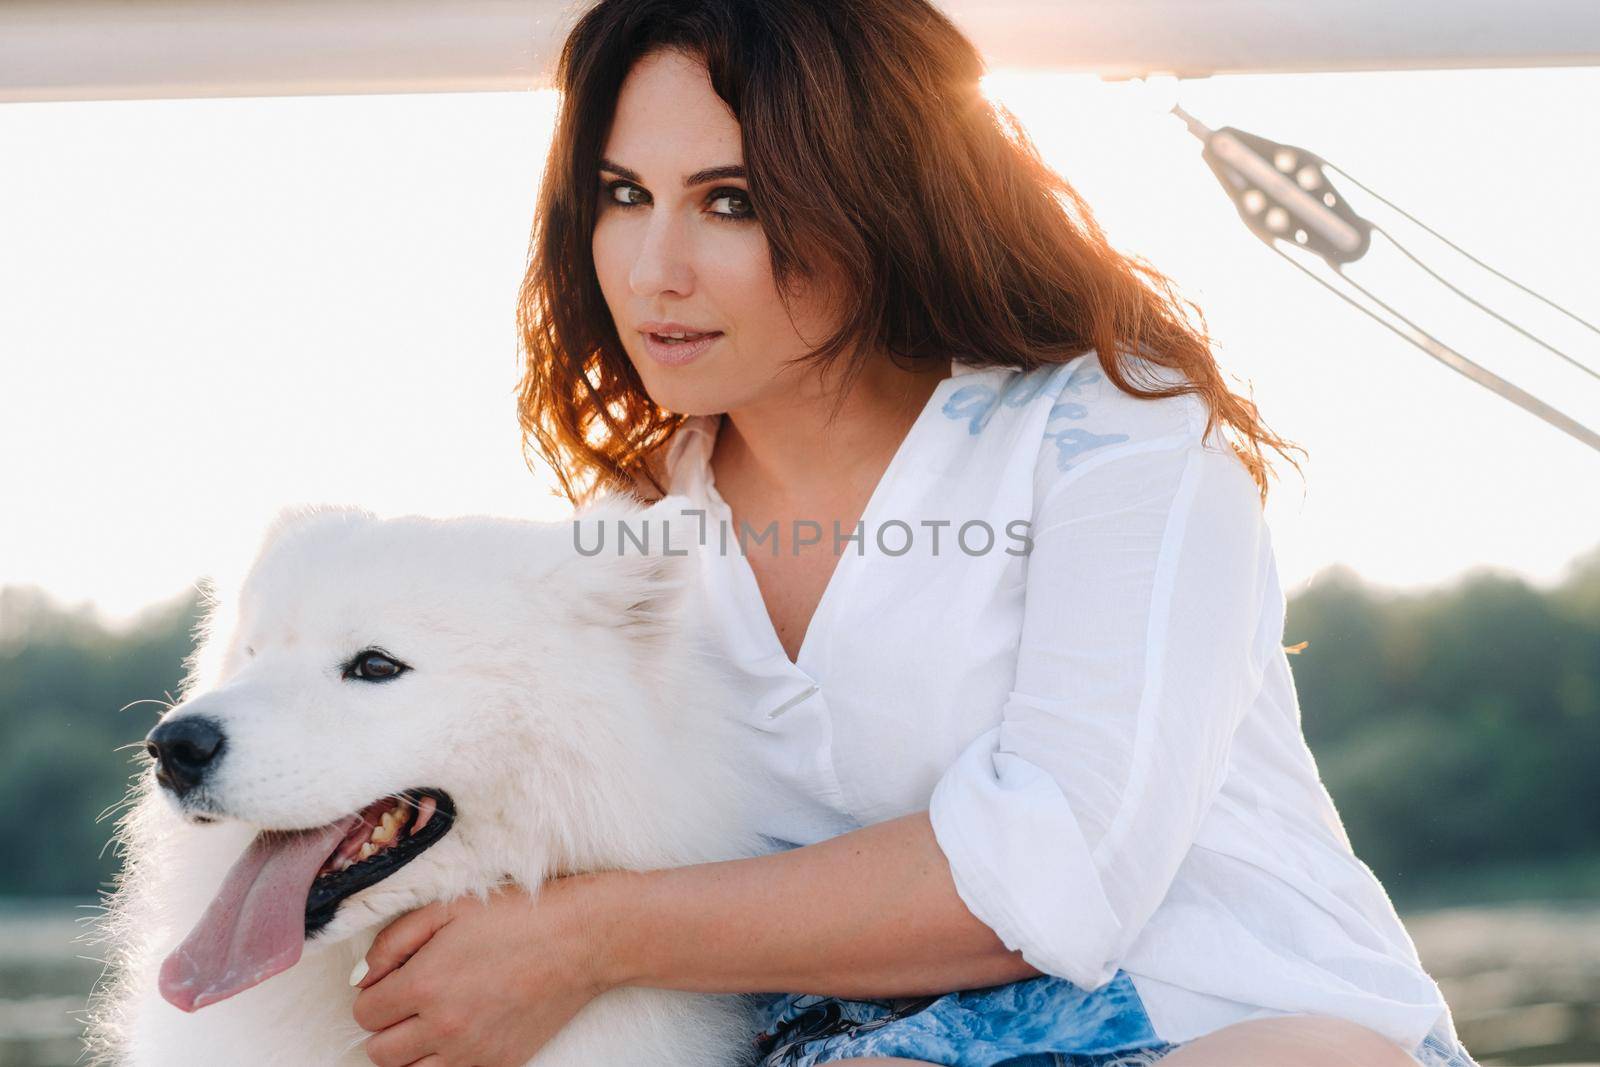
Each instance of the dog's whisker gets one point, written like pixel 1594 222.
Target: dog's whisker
pixel 166 705
pixel 112 810
pixel 129 798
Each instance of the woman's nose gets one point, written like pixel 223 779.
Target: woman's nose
pixel 664 259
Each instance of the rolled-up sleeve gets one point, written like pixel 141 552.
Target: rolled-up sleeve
pixel 1143 644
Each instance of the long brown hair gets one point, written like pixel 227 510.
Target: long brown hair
pixel 873 158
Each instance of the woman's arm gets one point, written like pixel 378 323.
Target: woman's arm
pixel 870 913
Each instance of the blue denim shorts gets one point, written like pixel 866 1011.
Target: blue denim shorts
pixel 1441 1048
pixel 1036 1022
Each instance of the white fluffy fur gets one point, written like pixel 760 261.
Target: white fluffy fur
pixel 563 701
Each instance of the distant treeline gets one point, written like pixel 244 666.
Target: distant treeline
pixel 1455 728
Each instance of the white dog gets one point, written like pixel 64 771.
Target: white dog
pixel 392 712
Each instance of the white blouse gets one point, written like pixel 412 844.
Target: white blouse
pixel 1096 708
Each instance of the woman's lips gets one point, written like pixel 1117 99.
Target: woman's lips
pixel 677 353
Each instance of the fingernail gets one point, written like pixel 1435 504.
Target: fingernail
pixel 359 971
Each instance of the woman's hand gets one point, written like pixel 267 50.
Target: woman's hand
pixel 474 984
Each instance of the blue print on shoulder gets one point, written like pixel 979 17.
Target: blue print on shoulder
pixel 1073 441
pixel 977 403
pixel 974 403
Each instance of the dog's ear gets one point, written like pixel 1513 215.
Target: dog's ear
pixel 219 608
pixel 635 566
pixel 303 516
pixel 221 590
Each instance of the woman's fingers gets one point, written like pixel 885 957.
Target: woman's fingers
pixel 398 942
pixel 385 1005
pixel 400 1045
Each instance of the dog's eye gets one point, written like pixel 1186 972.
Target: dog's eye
pixel 373 666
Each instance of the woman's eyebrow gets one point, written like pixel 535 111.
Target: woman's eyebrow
pixel 699 177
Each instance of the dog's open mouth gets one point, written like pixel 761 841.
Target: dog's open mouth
pixel 392 832
pixel 287 885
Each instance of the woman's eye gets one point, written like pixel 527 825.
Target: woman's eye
pixel 374 666
pixel 615 187
pixel 620 194
pixel 739 197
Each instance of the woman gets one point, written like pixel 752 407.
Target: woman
pixel 1041 793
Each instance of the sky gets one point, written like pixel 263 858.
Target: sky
pixel 211 309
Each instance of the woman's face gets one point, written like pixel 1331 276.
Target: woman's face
pixel 673 245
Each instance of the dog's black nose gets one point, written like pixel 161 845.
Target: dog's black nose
pixel 184 749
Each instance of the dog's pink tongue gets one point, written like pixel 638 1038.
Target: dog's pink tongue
pixel 256 924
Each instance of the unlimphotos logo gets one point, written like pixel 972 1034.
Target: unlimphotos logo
pixel 891 537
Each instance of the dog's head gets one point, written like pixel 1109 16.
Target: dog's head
pixel 407 709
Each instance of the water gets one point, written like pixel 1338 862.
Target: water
pixel 44 981
pixel 1522 979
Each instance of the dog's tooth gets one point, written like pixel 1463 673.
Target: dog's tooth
pixel 425 808
pixel 367 850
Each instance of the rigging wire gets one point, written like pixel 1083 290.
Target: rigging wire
pixel 1282 190
pixel 1503 277
pixel 1541 342
pixel 1446 355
